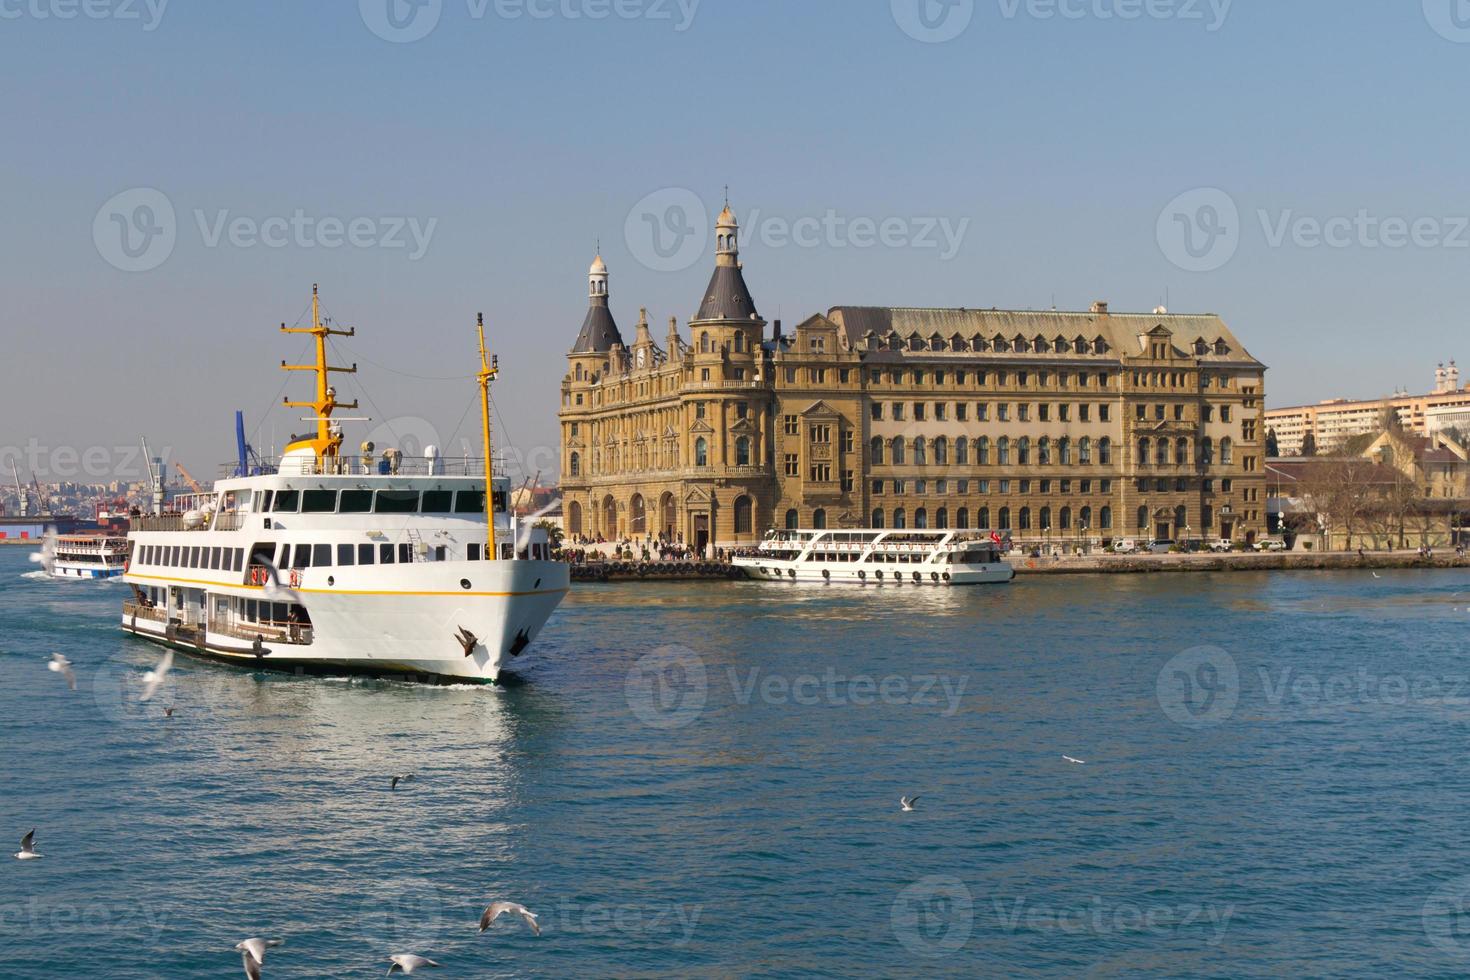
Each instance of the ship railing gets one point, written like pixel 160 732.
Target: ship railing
pixel 293 634
pixel 363 465
pixel 229 521
pixel 139 611
pixel 166 522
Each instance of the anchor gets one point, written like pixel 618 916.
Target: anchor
pixel 521 642
pixel 467 640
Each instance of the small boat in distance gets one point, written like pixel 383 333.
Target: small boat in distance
pixel 86 556
pixel 899 557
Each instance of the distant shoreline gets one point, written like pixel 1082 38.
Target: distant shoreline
pixel 1303 561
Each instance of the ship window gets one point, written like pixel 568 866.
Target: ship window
pixel 319 502
pixel 321 555
pixel 472 552
pixel 405 553
pixel 356 502
pixel 216 557
pixel 286 501
pixel 397 502
pixel 364 554
pixel 385 554
pixel 193 557
pixel 345 554
pixel 303 556
pixel 437 502
pixel 470 502
pixel 239 563
pixel 265 506
pixel 285 560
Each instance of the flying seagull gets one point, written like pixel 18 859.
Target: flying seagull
pixel 907 803
pixel 1376 575
pixel 274 590
pixel 407 962
pixel 405 778
pixel 252 954
pixel 27 850
pixel 497 909
pixel 168 712
pixel 153 680
pixel 46 557
pixel 1075 762
pixel 60 665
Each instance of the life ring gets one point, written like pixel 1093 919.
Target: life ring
pixel 879 573
pixel 946 576
pixel 295 578
pixel 127 563
pixel 862 575
pixel 826 575
pixel 791 572
pixel 918 577
pixel 934 576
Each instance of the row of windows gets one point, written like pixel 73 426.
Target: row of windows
pixel 941 411
pixel 1066 519
pixel 378 502
pixel 941 488
pixel 937 452
pixel 1207 412
pixel 190 556
pixel 1160 455
pixel 976 343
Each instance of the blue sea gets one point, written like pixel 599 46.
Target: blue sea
pixel 703 780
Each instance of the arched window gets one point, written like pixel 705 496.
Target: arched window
pixel 1084 451
pixel 793 520
pixel 1023 451
pixel 941 518
pixel 962 452
pixel 819 519
pixel 637 515
pixel 921 519
pixel 895 451
pixel 1065 519
pixel 743 516
pixel 1226 451
pixel 875 449
pixel 1207 517
pixel 704 347
pixel 1084 518
pixel 1143 518
pixel 1105 519
pixel 1207 451
pixel 1025 522
pixel 576 464
pixel 1181 519
pixel 701 452
pixel 900 519
pixel 983 519
pixel 1143 451
pixel 609 516
pixel 878 518
pixel 1046 519
pixel 739 341
pixel 1161 452
pixel 574 518
pixel 1181 452
pixel 1064 452
pixel 941 451
pixel 962 518
pixel 982 451
pixel 1043 451
pixel 919 451
pixel 1003 451
pixel 1105 451
pixel 1004 524
pixel 742 451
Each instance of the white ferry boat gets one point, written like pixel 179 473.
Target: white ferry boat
pixel 893 557
pixel 328 563
pixel 85 556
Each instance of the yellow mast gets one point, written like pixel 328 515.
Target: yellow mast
pixel 326 444
pixel 489 369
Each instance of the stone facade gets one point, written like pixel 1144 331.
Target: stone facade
pixel 1066 429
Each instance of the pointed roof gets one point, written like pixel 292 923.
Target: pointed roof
pixel 727 297
pixel 599 329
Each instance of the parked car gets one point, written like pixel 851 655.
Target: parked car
pixel 1222 545
pixel 1161 547
pixel 1270 544
pixel 1126 547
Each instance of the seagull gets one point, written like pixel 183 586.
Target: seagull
pixel 497 909
pixel 1075 762
pixel 406 778
pixel 60 665
pixel 252 954
pixel 274 590
pixel 27 850
pixel 907 803
pixel 407 962
pixel 168 712
pixel 46 557
pixel 153 680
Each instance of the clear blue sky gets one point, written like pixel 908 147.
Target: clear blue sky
pixel 1060 140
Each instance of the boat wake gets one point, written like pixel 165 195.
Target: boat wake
pixel 39 574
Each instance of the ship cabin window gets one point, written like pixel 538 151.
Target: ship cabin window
pixel 471 502
pixel 364 554
pixel 356 502
pixel 321 555
pixel 346 554
pixel 472 552
pixel 319 502
pixel 438 502
pixel 405 553
pixel 287 502
pixel 397 502
pixel 385 554
pixel 174 556
pixel 216 557
pixel 194 557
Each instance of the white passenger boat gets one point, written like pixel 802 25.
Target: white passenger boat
pixel 893 557
pixel 328 563
pixel 86 556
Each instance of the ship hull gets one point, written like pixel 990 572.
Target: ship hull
pixel 890 575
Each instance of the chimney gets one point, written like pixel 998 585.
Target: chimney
pixel 776 330
pixel 1100 307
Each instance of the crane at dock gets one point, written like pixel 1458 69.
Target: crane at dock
pixel 193 483
pixel 22 501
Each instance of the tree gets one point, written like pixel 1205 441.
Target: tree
pixel 1309 445
pixel 553 532
pixel 1273 447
